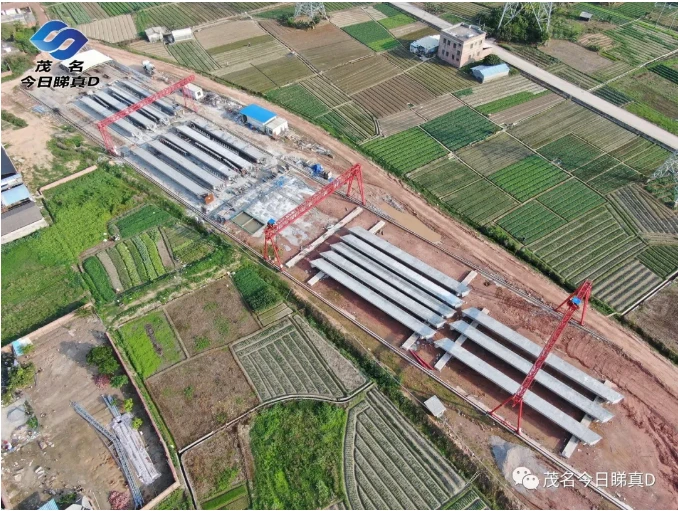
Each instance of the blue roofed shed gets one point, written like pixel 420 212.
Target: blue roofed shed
pixel 15 196
pixel 487 73
pixel 263 120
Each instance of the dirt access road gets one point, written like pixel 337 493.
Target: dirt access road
pixel 645 375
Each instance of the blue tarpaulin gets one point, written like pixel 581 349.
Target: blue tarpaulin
pixel 257 113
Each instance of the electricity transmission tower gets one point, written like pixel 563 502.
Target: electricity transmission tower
pixel 540 10
pixel 664 6
pixel 669 169
pixel 310 9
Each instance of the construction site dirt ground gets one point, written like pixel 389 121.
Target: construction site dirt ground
pixel 657 316
pixel 74 456
pixel 645 421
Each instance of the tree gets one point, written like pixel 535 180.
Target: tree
pixel 104 359
pixel 127 405
pixel 119 381
pixel 522 29
pixel 137 422
pixel 492 60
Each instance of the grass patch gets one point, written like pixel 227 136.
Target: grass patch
pixel 150 343
pixel 175 500
pixel 297 450
pixel 396 21
pixel 654 117
pixel 14 120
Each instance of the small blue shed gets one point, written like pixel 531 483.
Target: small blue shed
pixel 263 120
pixel 487 73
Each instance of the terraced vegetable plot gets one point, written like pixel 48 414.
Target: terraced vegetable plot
pixel 498 90
pixel 637 44
pixel 588 247
pixel 444 177
pixel 480 202
pixel 528 177
pixel 596 167
pixel 405 151
pixel 571 199
pixel 111 30
pixel 615 178
pixel 494 153
pixel 372 35
pixel 191 54
pixel 440 78
pixel 392 96
pixel 460 128
pixel 622 287
pixel 389 465
pixel 661 259
pixel 325 91
pixel 613 96
pixel 297 99
pixel 530 222
pixel 136 260
pixel 281 361
pixel 186 244
pixel 182 15
pixel 71 13
pixel 570 152
pixel 362 74
pixel 552 124
pixel 647 213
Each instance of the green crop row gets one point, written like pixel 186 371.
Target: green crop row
pixel 571 199
pixel 372 35
pixel 117 8
pixel 502 104
pixel 596 167
pixel 460 128
pixel 666 72
pixel 141 220
pixel 528 177
pixel 405 151
pixel 128 264
pixel 220 501
pixel 570 152
pixel 297 99
pixel 613 95
pixel 615 178
pixel 150 239
pixel 120 267
pixel 97 277
pixel 530 222
pixel 445 176
pixel 71 13
pixel 661 259
pixel 257 293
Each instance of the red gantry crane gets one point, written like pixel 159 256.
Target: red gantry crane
pixel 273 228
pixel 578 299
pixel 105 123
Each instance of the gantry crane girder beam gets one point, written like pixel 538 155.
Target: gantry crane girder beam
pixel 577 299
pixel 273 228
pixel 105 123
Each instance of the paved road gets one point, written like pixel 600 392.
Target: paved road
pixel 621 115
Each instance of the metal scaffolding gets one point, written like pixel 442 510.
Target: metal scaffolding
pixel 669 171
pixel 540 10
pixel 310 9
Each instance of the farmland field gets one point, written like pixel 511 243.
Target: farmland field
pixel 250 78
pixel 71 13
pixel 460 128
pixel 152 49
pixel 111 30
pixel 191 54
pixel 648 215
pixel 212 316
pixel 372 35
pixel 201 394
pixel 146 217
pixel 613 96
pixel 622 287
pixel 615 178
pixel 571 199
pixel 186 244
pixel 98 280
pixel 570 152
pixel 216 465
pixel 596 167
pixel 500 89
pixel 499 105
pixel 388 465
pixel 440 78
pixel 285 70
pixel 661 259
pixel 392 96
pixel 526 110
pixel 182 15
pixel 528 177
pixel 297 99
pixel 281 361
pixel 494 153
pixel 637 44
pixel 480 202
pixel 443 177
pixel 325 91
pixel 587 247
pixel 362 74
pixel 150 343
pixel 573 76
pixel 530 222
pixel 351 121
pixel 350 17
pixel 438 106
pixel 405 151
pixel 576 56
pixel 552 124
pixel 401 121
pixel 242 54
pixel 227 33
